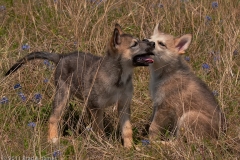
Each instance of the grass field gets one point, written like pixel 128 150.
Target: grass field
pixel 63 26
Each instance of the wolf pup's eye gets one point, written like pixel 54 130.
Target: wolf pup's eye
pixel 161 44
pixel 135 44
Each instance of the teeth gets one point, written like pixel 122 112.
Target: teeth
pixel 144 59
pixel 139 59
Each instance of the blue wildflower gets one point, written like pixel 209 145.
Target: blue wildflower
pixel 56 153
pixel 45 80
pixel 25 47
pixel 145 142
pixel 205 66
pixel 37 97
pixel 214 5
pixel 208 18
pixel 32 124
pixel 215 93
pixel 235 52
pixel 2 8
pixel 187 58
pixel 17 86
pixel 22 96
pixel 47 63
pixel 4 100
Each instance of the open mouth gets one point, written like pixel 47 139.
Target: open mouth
pixel 143 59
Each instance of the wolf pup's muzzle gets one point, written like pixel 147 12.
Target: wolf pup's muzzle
pixel 145 59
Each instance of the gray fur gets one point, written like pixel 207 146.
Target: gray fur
pixel 99 81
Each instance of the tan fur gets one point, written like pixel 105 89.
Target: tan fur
pixel 52 130
pixel 183 104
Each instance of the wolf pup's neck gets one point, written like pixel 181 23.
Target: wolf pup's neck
pixel 175 66
pixel 124 71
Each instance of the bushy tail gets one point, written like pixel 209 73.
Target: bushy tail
pixel 54 57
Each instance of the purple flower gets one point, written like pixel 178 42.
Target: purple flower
pixel 4 100
pixel 45 80
pixel 25 47
pixel 56 153
pixel 22 96
pixel 37 97
pixel 17 86
pixel 214 5
pixel 32 124
pixel 208 18
pixel 235 52
pixel 2 8
pixel 205 66
pixel 215 93
pixel 47 63
pixel 187 58
pixel 145 142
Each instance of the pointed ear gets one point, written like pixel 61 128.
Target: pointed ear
pixel 117 26
pixel 183 43
pixel 156 29
pixel 116 35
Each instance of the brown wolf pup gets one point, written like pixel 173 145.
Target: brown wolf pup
pixel 183 104
pixel 100 81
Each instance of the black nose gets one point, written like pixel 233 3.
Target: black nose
pixel 151 44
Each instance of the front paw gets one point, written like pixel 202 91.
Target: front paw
pixel 52 133
pixel 53 140
pixel 128 143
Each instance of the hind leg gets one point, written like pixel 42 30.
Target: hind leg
pixel 194 124
pixel 97 115
pixel 59 103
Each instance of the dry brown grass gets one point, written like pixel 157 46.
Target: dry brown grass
pixel 64 26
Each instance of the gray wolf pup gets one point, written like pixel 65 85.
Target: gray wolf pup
pixel 183 104
pixel 99 81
